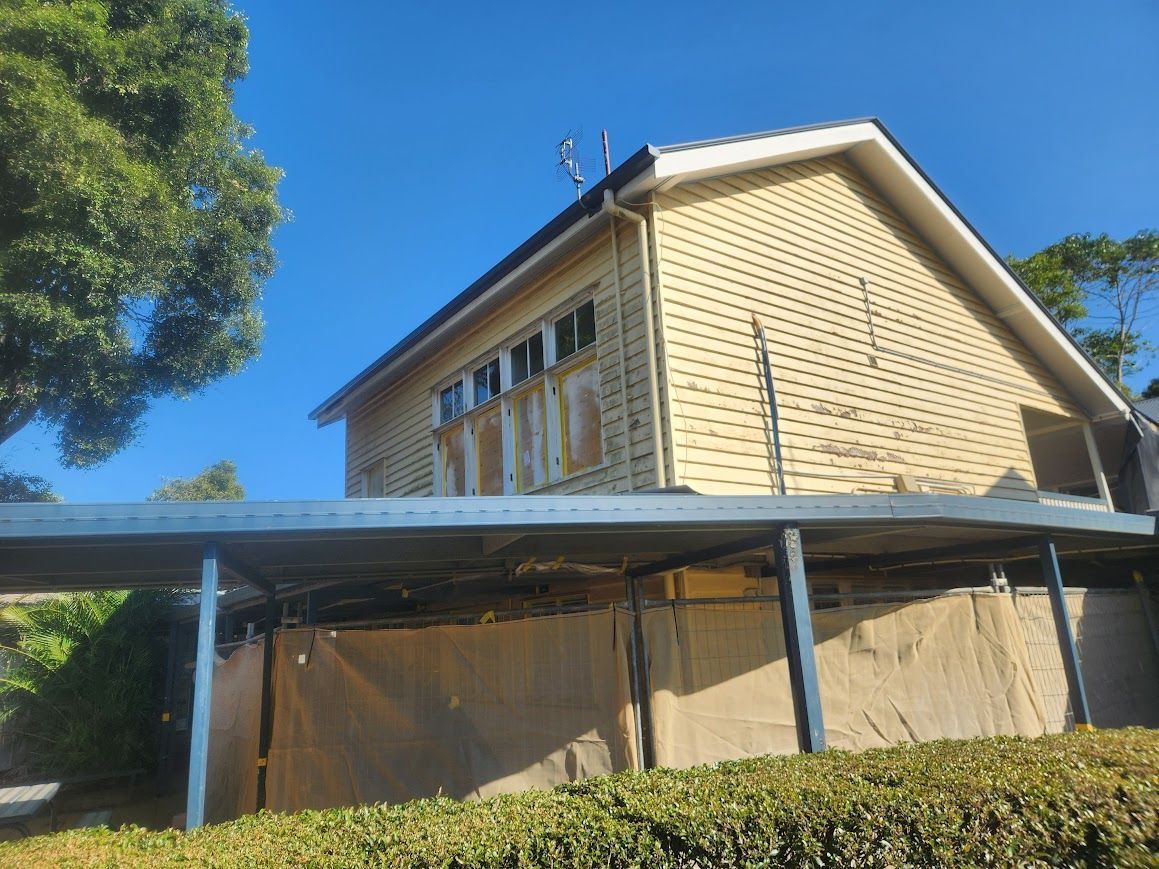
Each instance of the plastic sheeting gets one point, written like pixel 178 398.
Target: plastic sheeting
pixel 1118 657
pixel 465 710
pixel 234 724
pixel 474 710
pixel 948 667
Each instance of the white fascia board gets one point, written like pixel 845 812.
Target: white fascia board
pixel 870 149
pixel 497 294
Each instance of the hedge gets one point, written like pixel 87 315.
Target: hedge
pixel 1075 799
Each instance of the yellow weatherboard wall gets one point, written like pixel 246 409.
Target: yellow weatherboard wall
pixel 790 244
pixel 396 425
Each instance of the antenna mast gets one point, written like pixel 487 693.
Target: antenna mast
pixel 569 162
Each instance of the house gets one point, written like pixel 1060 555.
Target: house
pixel 757 447
pixel 906 356
pixel 903 355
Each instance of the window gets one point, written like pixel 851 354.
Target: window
pixel 487 381
pixel 579 417
pixel 451 402
pixel 527 358
pixel 545 427
pixel 489 452
pixel 453 461
pixel 575 331
pixel 374 481
pixel 531 439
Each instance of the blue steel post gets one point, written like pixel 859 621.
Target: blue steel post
pixel 202 689
pixel 266 714
pixel 1052 578
pixel 798 624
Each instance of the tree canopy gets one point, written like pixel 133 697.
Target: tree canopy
pixel 217 482
pixel 135 223
pixel 17 488
pixel 1103 291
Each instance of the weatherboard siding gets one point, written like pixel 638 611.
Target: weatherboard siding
pixel 396 426
pixel 790 244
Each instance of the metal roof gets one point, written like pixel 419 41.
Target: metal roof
pixel 47 547
pixel 1149 407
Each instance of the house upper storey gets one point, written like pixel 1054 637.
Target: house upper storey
pixel 706 308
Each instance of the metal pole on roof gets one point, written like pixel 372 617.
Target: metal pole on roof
pixel 267 708
pixel 203 689
pixel 1052 578
pixel 798 625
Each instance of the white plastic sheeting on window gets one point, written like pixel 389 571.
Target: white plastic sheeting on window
pixel 531 439
pixel 579 412
pixel 454 461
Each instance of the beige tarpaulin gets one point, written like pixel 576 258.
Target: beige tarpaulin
pixel 949 667
pixel 231 780
pixel 463 710
pixel 1118 657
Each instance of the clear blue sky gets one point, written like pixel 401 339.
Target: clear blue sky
pixel 418 149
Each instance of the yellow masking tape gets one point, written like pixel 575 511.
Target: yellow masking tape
pixel 262 761
pixel 1084 728
pixel 164 717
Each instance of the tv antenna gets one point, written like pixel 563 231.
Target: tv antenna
pixel 569 164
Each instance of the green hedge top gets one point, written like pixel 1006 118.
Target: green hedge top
pixel 1076 799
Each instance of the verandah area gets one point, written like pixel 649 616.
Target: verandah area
pixel 631 686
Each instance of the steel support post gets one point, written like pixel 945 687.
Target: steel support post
pixel 641 682
pixel 798 623
pixel 165 731
pixel 1052 578
pixel 202 689
pixel 265 726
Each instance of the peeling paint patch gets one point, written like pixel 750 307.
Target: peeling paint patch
pixel 851 452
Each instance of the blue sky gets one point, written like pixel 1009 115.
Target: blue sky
pixel 418 149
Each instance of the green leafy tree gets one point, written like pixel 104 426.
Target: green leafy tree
pixel 16 488
pixel 135 223
pixel 1151 390
pixel 215 483
pixel 1101 289
pixel 79 691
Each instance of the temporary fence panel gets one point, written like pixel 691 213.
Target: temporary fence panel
pixel 954 666
pixel 467 711
pixel 231 780
pixel 1116 651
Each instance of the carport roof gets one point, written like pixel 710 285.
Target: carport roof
pixel 47 547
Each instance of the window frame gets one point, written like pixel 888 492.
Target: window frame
pixel 549 377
